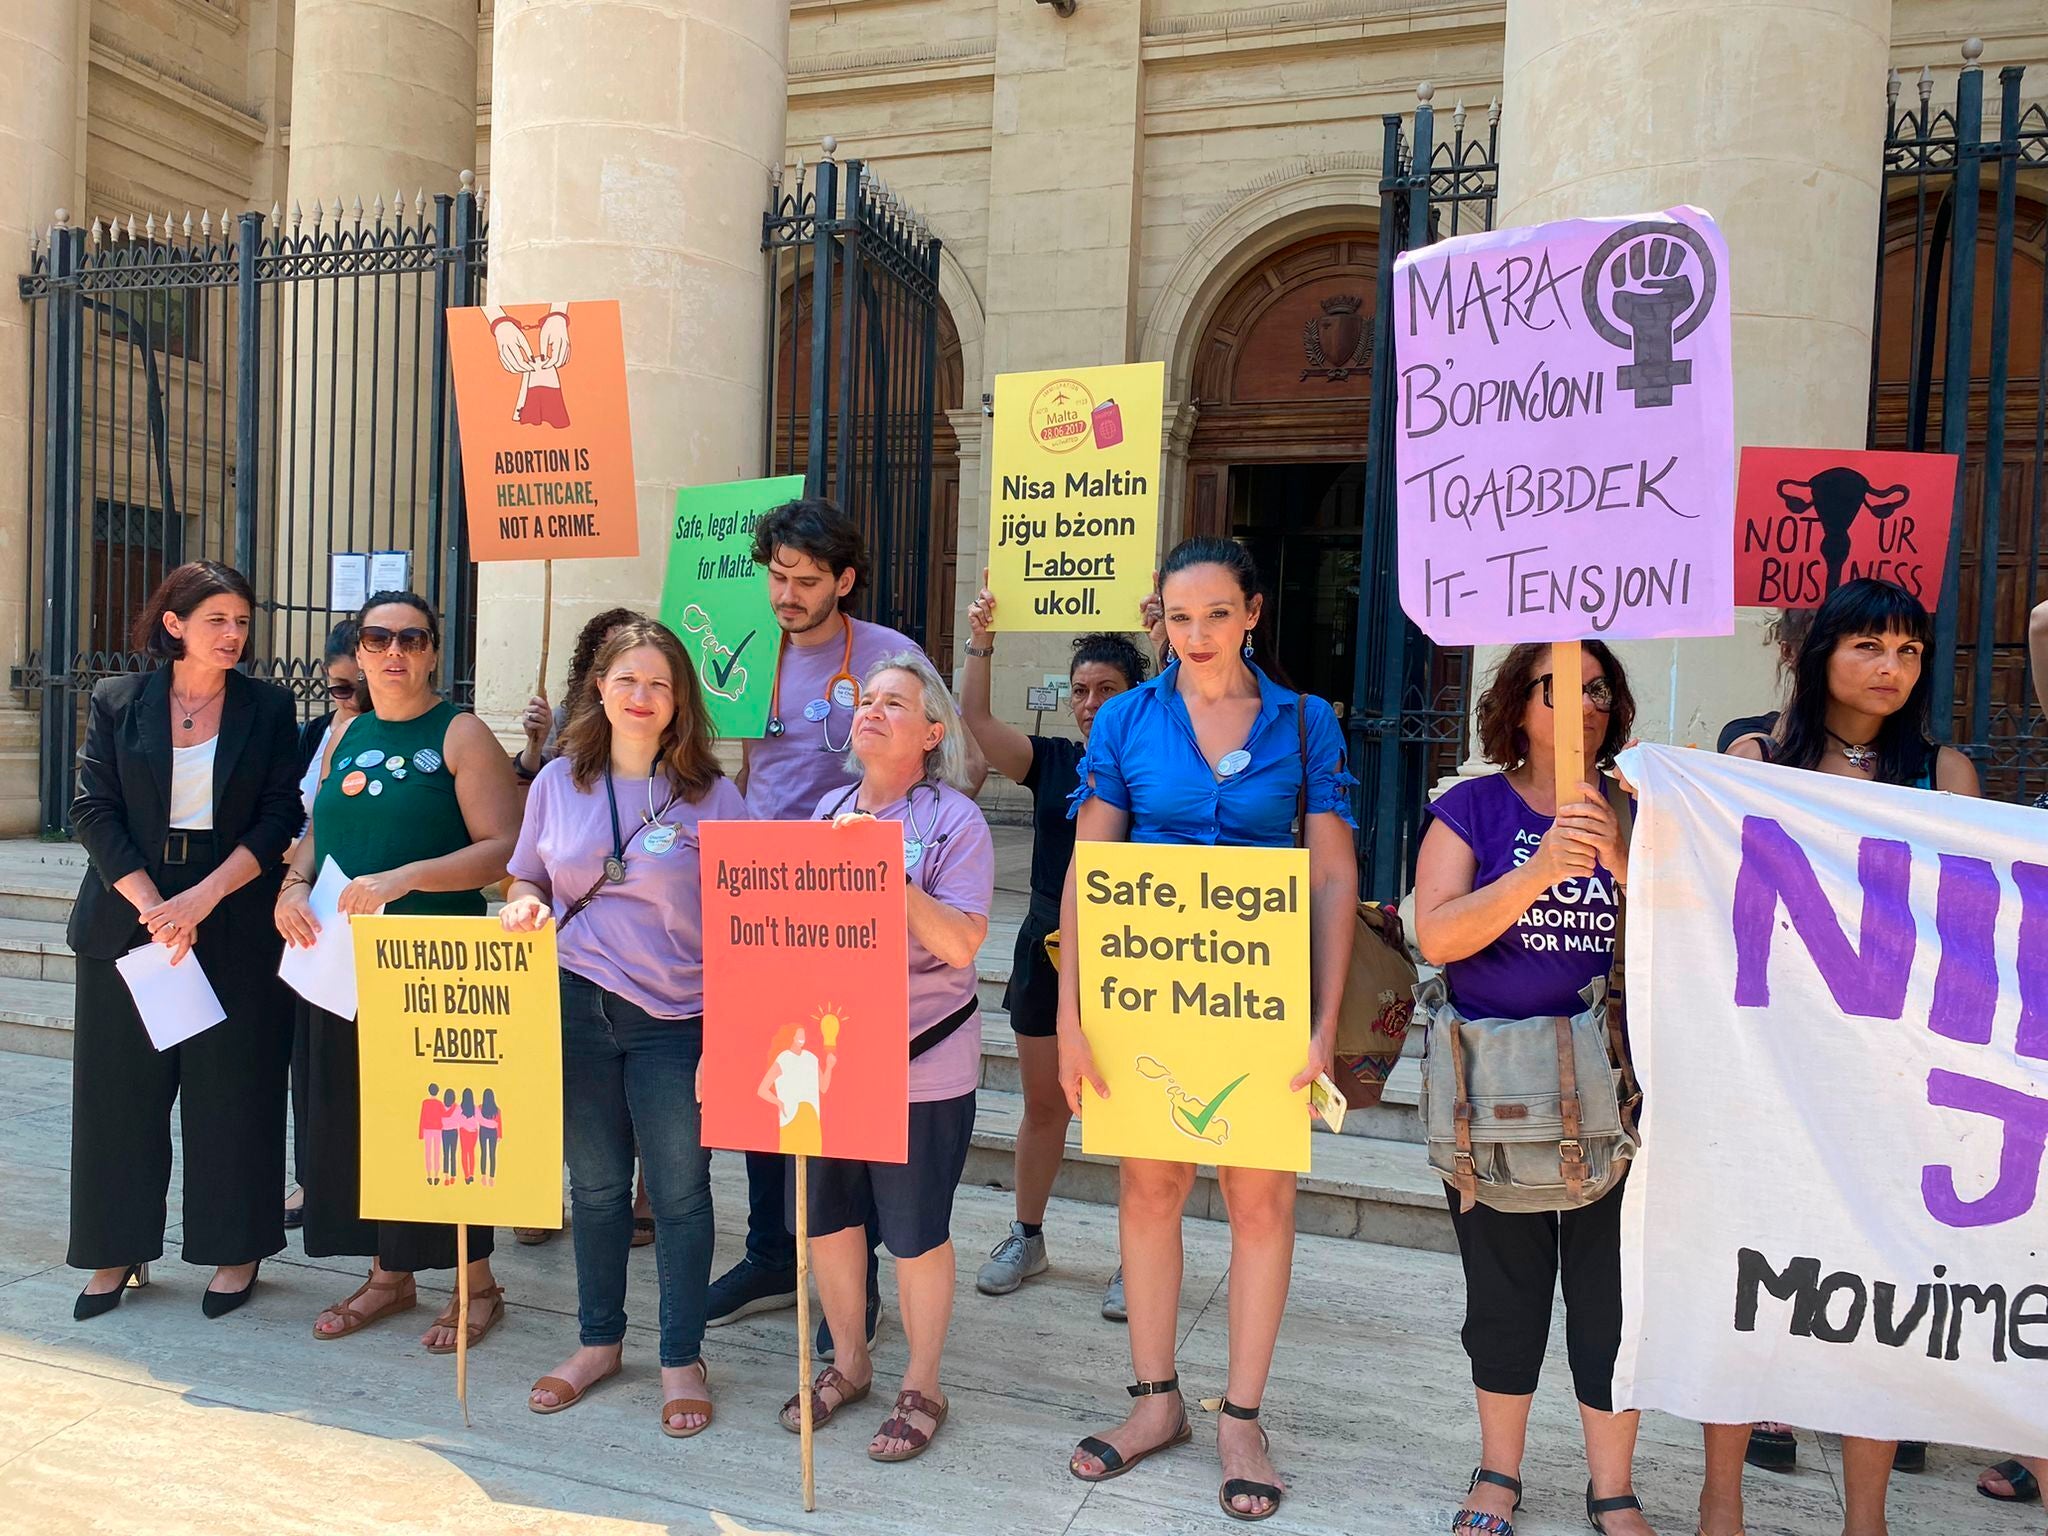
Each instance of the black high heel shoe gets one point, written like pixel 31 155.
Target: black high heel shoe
pixel 221 1303
pixel 90 1304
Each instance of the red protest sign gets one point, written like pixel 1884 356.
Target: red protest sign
pixel 806 989
pixel 1809 519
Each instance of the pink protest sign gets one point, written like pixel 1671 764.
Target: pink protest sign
pixel 1565 432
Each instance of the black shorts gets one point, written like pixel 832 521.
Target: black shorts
pixel 911 1201
pixel 1033 995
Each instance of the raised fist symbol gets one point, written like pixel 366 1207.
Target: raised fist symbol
pixel 1639 276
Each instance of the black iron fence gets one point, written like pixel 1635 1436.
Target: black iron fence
pixel 264 392
pixel 1961 328
pixel 853 330
pixel 1410 698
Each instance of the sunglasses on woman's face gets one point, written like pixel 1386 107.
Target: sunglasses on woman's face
pixel 341 688
pixel 377 640
pixel 1599 693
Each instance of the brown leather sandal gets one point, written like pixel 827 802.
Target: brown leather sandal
pixel 494 1294
pixel 828 1380
pixel 404 1297
pixel 898 1427
pixel 567 1395
pixel 687 1406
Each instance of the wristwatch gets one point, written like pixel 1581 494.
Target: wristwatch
pixel 984 654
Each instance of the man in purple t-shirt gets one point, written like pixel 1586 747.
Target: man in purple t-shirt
pixel 817 562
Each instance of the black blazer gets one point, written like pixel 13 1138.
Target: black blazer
pixel 123 808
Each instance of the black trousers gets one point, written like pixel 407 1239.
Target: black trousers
pixel 229 1084
pixel 331 1174
pixel 1514 1261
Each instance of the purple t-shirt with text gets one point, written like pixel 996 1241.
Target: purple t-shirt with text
pixel 957 867
pixel 786 774
pixel 1540 965
pixel 644 937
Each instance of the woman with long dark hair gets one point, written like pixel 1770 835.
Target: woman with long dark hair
pixel 1859 709
pixel 1214 751
pixel 185 807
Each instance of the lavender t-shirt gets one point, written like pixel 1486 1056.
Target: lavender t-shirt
pixel 787 774
pixel 958 867
pixel 1562 942
pixel 644 937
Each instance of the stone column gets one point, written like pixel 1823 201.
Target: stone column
pixel 632 146
pixel 41 170
pixel 1769 114
pixel 1062 246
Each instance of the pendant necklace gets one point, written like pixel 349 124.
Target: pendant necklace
pixel 1860 757
pixel 188 711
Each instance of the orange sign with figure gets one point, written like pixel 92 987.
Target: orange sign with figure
pixel 547 449
pixel 806 989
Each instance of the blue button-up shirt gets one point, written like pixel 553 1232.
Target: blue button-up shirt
pixel 1143 758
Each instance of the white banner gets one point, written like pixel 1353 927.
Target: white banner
pixel 1838 1003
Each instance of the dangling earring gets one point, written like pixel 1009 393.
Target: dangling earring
pixel 1170 657
pixel 1247 645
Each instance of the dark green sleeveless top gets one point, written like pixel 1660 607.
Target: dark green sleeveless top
pixel 389 799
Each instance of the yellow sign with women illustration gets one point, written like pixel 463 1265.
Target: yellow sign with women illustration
pixel 460 1029
pixel 1195 1001
pixel 1074 536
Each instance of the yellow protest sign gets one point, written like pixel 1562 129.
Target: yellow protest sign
pixel 1195 1001
pixel 1075 531
pixel 460 1030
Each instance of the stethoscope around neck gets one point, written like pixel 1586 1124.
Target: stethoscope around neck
pixel 818 710
pixel 916 839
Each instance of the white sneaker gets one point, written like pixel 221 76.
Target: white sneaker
pixel 1113 1298
pixel 1013 1261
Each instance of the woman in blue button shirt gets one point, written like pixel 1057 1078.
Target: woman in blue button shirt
pixel 1210 752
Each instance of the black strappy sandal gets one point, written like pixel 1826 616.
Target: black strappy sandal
pixel 1114 1462
pixel 1478 1519
pixel 1244 1487
pixel 1595 1508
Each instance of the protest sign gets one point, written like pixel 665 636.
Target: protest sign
pixel 547 450
pixel 806 989
pixel 716 599
pixel 1809 519
pixel 1838 1004
pixel 1564 431
pixel 1195 1001
pixel 1075 530
pixel 460 1031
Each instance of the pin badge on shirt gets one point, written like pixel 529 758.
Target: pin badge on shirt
pixel 371 758
pixel 353 784
pixel 427 760
pixel 844 694
pixel 913 854
pixel 659 840
pixel 376 789
pixel 817 710
pixel 1234 763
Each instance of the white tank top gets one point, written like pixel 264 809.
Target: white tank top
pixel 192 786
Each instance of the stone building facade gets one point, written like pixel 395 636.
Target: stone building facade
pixel 1194 181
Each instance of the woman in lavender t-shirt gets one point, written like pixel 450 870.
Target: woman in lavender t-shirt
pixel 635 777
pixel 909 749
pixel 1517 900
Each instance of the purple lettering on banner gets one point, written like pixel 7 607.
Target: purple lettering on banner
pixel 1564 431
pixel 1870 983
pixel 1965 916
pixel 2032 879
pixel 2019 1156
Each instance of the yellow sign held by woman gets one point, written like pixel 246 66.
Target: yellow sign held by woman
pixel 1195 1001
pixel 460 1029
pixel 1074 533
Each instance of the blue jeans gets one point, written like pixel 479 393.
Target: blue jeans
pixel 624 1070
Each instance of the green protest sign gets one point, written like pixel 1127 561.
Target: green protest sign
pixel 716 599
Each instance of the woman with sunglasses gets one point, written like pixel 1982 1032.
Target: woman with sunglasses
pixel 419 808
pixel 1516 888
pixel 608 852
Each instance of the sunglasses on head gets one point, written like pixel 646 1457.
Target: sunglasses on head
pixel 1599 693
pixel 376 640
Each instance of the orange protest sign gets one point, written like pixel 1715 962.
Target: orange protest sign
pixel 806 989
pixel 547 449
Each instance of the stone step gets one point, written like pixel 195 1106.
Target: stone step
pixel 35 1017
pixel 1361 1187
pixel 38 894
pixel 34 951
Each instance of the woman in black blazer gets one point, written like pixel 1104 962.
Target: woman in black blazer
pixel 187 798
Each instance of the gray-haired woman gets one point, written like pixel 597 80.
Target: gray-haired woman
pixel 908 747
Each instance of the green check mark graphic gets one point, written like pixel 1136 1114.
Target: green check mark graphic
pixel 1200 1123
pixel 719 673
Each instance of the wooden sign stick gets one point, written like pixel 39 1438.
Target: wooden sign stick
pixel 803 1328
pixel 1568 706
pixel 547 613
pixel 462 1320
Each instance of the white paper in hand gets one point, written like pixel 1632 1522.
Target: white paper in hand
pixel 176 1002
pixel 325 975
